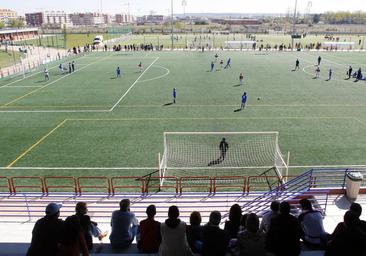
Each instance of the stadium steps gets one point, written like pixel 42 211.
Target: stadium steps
pixel 30 207
pixel 20 249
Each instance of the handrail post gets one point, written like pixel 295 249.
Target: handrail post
pixel 27 206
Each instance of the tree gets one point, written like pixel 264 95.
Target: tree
pixel 16 23
pixel 316 18
pixel 2 25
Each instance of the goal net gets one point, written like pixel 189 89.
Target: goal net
pixel 247 45
pixel 221 154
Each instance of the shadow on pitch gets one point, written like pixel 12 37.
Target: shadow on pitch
pixel 237 110
pixel 168 104
pixel 237 85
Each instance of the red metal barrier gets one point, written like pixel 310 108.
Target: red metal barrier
pixel 241 182
pixel 262 183
pixel 74 185
pixel 195 179
pixel 106 186
pixel 168 180
pixel 8 184
pixel 24 178
pixel 140 187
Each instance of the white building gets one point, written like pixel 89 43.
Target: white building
pixel 124 18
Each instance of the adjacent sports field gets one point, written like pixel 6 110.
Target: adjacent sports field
pixel 91 123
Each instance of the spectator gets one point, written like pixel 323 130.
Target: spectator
pixel 173 235
pixel 350 240
pixel 88 227
pixel 215 240
pixel 72 239
pixel 243 223
pixel 311 222
pixel 194 232
pixel 124 226
pixel 357 210
pixel 251 241
pixel 268 216
pixel 46 233
pixel 149 231
pixel 283 238
pixel 232 225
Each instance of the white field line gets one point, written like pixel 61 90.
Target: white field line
pixel 57 111
pixel 158 77
pixel 129 89
pixel 327 60
pixel 21 86
pixel 55 81
pixel 189 168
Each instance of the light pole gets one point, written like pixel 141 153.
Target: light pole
pixel 172 23
pixel 293 27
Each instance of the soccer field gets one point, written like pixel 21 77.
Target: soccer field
pixel 91 123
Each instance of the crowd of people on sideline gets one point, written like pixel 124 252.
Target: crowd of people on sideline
pixel 278 234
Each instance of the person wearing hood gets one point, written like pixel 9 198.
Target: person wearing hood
pixel 173 235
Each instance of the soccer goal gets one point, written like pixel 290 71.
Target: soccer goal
pixel 221 154
pixel 242 45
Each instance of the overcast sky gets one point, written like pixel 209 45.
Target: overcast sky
pixel 139 7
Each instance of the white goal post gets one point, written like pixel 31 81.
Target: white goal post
pixel 221 154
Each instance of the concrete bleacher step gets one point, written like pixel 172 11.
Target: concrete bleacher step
pixel 20 249
pixel 31 206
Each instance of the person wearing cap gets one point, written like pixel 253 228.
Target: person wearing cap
pixel 47 232
pixel 124 226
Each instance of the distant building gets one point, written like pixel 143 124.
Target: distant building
pixel 89 19
pixel 156 19
pixel 51 19
pixel 243 22
pixel 6 15
pixel 35 19
pixel 124 18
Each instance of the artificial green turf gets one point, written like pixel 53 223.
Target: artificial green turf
pixel 8 58
pixel 320 122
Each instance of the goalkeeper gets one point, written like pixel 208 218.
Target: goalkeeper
pixel 223 149
pixel 224 146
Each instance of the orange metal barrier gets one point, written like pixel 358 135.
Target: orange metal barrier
pixel 195 179
pixel 39 186
pixel 8 185
pixel 170 182
pixel 106 186
pixel 240 182
pixel 141 187
pixel 74 185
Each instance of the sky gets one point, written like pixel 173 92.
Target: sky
pixel 142 7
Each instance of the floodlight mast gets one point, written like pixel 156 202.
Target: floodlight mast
pixel 293 27
pixel 172 24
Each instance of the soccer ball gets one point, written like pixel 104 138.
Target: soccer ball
pixel 259 98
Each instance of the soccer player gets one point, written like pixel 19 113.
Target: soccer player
pixel 216 57
pixel 330 74
pixel 221 64
pixel 70 67
pixel 228 64
pixel 350 69
pixel 140 66
pixel 73 66
pixel 319 60
pixel 243 100
pixel 317 72
pixel 297 64
pixel 224 146
pixel 212 66
pixel 241 78
pixel 174 94
pixel 61 67
pixel 118 72
pixel 46 74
